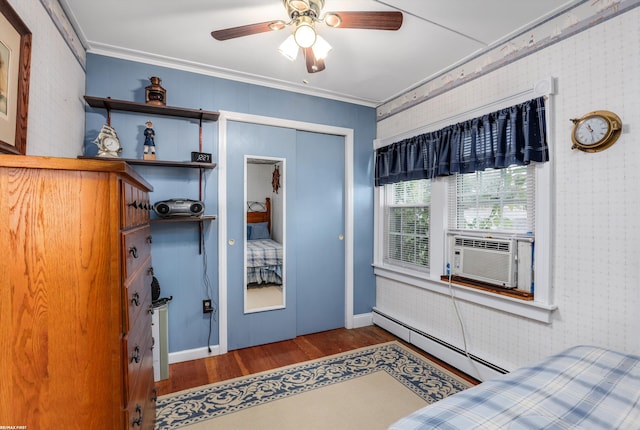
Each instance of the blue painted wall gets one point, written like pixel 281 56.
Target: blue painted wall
pixel 177 263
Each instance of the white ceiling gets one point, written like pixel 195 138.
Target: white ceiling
pixel 368 67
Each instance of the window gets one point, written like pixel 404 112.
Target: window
pixel 504 190
pixel 498 200
pixel 502 202
pixel 441 205
pixel 407 218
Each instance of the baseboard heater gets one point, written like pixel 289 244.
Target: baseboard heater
pixel 476 367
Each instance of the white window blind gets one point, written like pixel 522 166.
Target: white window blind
pixel 499 200
pixel 407 224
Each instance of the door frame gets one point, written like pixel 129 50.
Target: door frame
pixel 347 134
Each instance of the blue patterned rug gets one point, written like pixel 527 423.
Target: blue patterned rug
pixel 424 378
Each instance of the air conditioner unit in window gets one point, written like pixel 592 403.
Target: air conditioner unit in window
pixel 503 262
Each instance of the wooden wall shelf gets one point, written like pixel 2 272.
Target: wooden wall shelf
pixel 160 163
pixel 184 219
pixel 170 111
pixel 123 105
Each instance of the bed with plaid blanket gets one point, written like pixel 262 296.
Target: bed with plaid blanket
pixel 584 387
pixel 264 262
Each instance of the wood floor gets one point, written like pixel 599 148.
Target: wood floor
pixel 242 362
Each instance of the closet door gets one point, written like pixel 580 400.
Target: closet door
pixel 319 232
pixel 257 328
pixel 315 246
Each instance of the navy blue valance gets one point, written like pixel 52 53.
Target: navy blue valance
pixel 512 136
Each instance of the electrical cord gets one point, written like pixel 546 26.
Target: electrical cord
pixel 206 281
pixel 208 289
pixel 455 307
pixel 210 328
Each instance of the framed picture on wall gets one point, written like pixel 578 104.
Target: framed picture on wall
pixel 15 64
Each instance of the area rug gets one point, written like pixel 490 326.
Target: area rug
pixel 369 388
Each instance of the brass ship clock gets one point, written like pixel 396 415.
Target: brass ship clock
pixel 596 131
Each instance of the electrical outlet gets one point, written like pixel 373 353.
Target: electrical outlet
pixel 207 308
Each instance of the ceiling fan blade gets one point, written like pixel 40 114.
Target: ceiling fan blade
pixel 243 30
pixel 369 20
pixel 314 64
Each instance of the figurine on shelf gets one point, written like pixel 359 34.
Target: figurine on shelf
pixel 154 93
pixel 108 142
pixel 149 142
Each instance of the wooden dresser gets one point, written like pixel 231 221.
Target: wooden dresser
pixel 75 295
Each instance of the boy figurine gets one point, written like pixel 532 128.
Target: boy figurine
pixel 149 142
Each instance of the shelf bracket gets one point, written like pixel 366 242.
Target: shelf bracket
pixel 200 135
pixel 107 106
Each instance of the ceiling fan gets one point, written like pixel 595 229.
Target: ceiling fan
pixel 304 15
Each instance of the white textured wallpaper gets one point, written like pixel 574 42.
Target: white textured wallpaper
pixel 57 83
pixel 596 239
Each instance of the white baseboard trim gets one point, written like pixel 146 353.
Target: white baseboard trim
pixel 475 367
pixel 362 320
pixel 193 354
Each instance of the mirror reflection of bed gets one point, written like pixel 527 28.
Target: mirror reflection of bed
pixel 264 257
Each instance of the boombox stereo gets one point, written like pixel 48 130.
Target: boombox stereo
pixel 178 207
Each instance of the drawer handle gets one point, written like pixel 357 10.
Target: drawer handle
pixel 137 421
pixel 134 204
pixel 150 271
pixel 149 239
pixel 135 299
pixel 136 354
pixel 154 396
pixel 133 251
pixel 151 309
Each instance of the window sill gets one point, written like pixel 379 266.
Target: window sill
pixel 530 309
pixel 516 294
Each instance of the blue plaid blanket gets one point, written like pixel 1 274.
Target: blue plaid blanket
pixel 263 252
pixel 264 262
pixel 582 388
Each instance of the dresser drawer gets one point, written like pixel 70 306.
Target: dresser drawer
pixel 136 248
pixel 138 294
pixel 138 357
pixel 136 206
pixel 141 411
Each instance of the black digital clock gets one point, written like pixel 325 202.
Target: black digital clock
pixel 201 157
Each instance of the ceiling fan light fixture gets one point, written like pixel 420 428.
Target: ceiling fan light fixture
pixel 304 33
pixel 277 25
pixel 289 48
pixel 332 20
pixel 299 5
pixel 321 48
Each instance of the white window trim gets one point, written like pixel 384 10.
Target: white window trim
pixel 539 309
